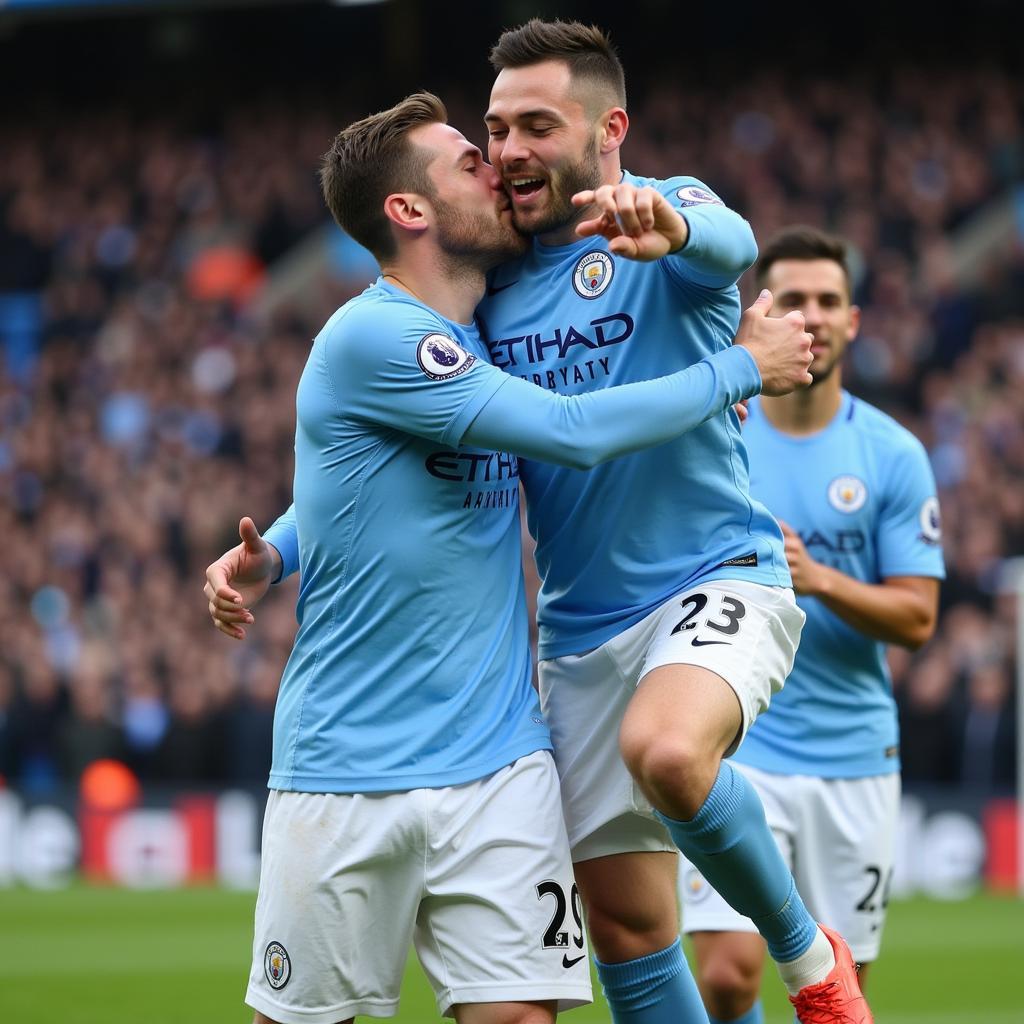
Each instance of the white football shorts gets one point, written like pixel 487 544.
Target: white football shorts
pixel 477 877
pixel 838 837
pixel 744 632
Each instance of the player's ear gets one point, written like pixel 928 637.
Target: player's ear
pixel 407 210
pixel 613 127
pixel 854 325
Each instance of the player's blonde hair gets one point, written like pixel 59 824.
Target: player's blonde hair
pixel 372 158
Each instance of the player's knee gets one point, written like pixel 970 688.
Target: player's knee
pixel 618 933
pixel 729 986
pixel 663 763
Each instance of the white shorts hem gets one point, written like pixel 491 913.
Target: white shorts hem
pixel 568 994
pixel 295 1015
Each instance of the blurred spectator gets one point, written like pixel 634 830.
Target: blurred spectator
pixel 144 408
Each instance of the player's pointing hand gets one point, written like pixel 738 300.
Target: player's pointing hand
pixel 780 346
pixel 639 223
pixel 238 579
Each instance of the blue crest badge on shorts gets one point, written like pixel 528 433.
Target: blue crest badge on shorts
pixel 593 273
pixel 277 965
pixel 847 494
pixel 697 887
pixel 694 195
pixel 441 357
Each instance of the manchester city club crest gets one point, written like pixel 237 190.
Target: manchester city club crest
pixel 441 357
pixel 276 965
pixel 593 274
pixel 847 494
pixel 696 887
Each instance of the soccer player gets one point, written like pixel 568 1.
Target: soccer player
pixel 666 615
pixel 860 516
pixel 413 795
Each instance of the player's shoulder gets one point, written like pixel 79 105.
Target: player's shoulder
pixel 682 190
pixel 378 315
pixel 885 433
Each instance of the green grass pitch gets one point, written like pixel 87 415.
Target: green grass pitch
pixel 100 956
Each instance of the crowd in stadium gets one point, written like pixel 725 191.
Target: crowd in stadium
pixel 144 407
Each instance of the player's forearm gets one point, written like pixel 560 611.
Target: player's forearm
pixel 582 431
pixel 719 247
pixel 283 539
pixel 885 611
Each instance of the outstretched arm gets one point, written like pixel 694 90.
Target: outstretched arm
pixel 770 355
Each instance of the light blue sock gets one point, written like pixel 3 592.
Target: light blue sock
pixel 730 844
pixel 755 1015
pixel 655 989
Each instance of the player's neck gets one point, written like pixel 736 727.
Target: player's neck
pixel 454 292
pixel 808 410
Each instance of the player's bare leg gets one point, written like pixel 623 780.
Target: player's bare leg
pixel 630 903
pixel 680 723
pixel 729 970
pixel 633 921
pixel 506 1013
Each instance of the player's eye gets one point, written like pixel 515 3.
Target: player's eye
pixel 497 133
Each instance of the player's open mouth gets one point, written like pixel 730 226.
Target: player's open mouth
pixel 522 189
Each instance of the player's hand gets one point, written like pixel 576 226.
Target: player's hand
pixel 742 411
pixel 238 579
pixel 639 223
pixel 780 346
pixel 802 567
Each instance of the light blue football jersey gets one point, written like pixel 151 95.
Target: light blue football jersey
pixel 411 665
pixel 862 496
pixel 617 541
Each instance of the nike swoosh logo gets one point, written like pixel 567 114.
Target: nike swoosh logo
pixel 708 643
pixel 566 962
pixel 494 289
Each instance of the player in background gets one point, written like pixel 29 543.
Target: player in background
pixel 857 501
pixel 413 796
pixel 666 619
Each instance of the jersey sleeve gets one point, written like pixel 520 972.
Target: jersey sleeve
pixel 720 246
pixel 583 430
pixel 909 530
pixel 283 534
pixel 395 365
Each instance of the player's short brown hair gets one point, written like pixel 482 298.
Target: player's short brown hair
pixel 803 242
pixel 586 49
pixel 372 158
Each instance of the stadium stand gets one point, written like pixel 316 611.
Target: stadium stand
pixel 144 405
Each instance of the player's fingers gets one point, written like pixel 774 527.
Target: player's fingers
pixel 225 596
pixel 584 198
pixel 249 534
pixel 645 200
pixel 625 209
pixel 586 228
pixel 235 632
pixel 623 245
pixel 795 318
pixel 229 614
pixel 762 305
